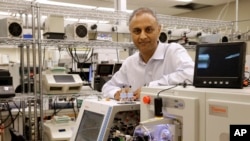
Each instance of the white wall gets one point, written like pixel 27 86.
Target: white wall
pixel 229 13
pixel 226 12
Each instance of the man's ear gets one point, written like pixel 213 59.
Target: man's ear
pixel 160 27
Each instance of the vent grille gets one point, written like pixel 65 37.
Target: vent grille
pixel 81 31
pixel 15 29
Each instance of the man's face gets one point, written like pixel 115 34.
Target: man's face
pixel 145 32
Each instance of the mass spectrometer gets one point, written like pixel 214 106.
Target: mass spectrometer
pixel 191 114
pixel 182 108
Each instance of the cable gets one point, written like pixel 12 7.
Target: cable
pixel 73 107
pixel 3 121
pixel 10 115
pixel 185 84
pixel 165 90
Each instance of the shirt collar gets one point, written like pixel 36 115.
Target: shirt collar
pixel 159 52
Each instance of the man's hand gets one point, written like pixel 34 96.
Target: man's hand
pixel 137 94
pixel 117 95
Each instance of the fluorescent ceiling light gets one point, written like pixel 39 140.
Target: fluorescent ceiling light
pixel 65 4
pixel 105 9
pixel 86 20
pixel 77 5
pixel 129 11
pixel 184 0
pixel 4 13
pixel 111 9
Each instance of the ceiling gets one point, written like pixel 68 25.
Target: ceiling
pixel 166 7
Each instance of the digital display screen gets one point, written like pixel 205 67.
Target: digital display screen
pixel 116 67
pixel 90 126
pixel 6 81
pixel 218 61
pixel 83 65
pixel 64 78
pixel 104 69
pixel 220 65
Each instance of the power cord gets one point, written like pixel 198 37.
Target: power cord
pixel 185 84
pixel 158 99
pixel 158 102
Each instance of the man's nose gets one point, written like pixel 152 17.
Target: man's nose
pixel 143 35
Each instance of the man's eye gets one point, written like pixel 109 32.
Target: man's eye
pixel 136 31
pixel 149 30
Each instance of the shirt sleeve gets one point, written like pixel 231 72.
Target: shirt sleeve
pixel 115 83
pixel 180 67
pixel 109 91
pixel 184 67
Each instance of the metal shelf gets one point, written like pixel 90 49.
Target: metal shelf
pixel 83 13
pixel 66 43
pixel 82 93
pixel 18 97
pixel 15 41
pixel 16 6
pixel 176 21
pixel 90 44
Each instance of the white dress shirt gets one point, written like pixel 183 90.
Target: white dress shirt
pixel 169 65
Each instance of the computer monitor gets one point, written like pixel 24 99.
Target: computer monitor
pixel 117 66
pixel 6 81
pixel 81 65
pixel 98 119
pixel 104 69
pixel 220 65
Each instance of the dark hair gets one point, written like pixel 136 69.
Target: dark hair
pixel 140 11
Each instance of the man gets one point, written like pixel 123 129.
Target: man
pixel 156 64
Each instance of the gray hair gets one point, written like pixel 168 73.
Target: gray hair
pixel 142 10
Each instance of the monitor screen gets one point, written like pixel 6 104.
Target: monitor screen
pixel 116 67
pixel 104 69
pixel 220 64
pixel 6 81
pixel 89 127
pixel 83 65
pixel 64 78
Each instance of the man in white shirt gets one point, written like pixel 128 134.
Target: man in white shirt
pixel 156 63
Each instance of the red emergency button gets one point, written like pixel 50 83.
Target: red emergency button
pixel 146 99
